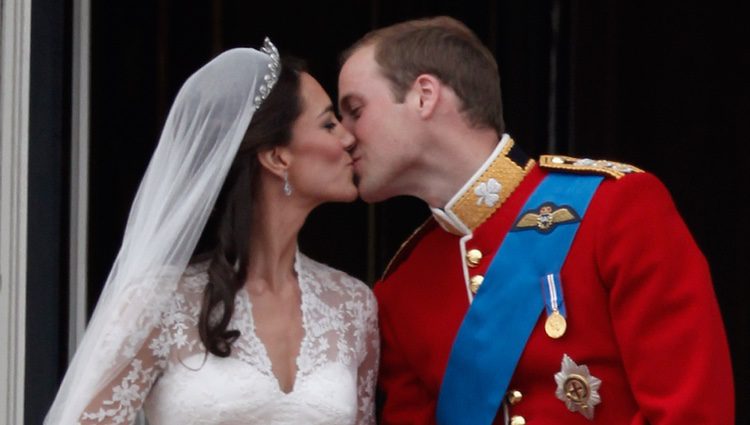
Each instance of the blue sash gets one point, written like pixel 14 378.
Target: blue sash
pixel 507 306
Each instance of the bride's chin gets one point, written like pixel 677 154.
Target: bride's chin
pixel 348 194
pixel 352 194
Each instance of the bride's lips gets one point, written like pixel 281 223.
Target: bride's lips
pixel 354 162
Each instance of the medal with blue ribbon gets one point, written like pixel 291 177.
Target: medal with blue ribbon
pixel 556 324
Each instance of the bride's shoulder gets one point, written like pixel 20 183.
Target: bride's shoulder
pixel 193 280
pixel 196 270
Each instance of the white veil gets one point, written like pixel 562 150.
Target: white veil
pixel 200 139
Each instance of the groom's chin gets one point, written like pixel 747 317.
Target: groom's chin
pixel 368 196
pixel 358 183
pixel 370 193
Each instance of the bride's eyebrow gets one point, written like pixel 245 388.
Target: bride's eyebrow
pixel 328 109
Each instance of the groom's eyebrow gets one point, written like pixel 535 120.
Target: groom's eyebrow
pixel 344 102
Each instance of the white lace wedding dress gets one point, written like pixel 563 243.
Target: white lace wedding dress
pixel 177 384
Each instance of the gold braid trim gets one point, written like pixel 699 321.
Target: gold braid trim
pixel 585 165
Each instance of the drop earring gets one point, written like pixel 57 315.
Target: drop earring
pixel 287 186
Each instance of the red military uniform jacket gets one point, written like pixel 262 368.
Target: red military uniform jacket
pixel 641 310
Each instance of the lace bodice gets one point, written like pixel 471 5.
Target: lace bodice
pixel 178 384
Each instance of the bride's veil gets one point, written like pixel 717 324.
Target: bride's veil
pixel 199 141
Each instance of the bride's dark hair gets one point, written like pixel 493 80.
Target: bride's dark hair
pixel 227 235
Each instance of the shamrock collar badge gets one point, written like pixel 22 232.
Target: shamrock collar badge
pixel 488 193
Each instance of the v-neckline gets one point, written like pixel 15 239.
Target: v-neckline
pixel 263 351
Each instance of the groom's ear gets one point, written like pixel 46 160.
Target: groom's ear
pixel 276 160
pixel 427 94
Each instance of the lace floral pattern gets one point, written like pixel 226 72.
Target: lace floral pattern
pixel 177 383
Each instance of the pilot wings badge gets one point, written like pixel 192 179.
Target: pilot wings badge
pixel 545 218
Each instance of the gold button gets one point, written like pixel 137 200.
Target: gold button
pixel 517 420
pixel 473 257
pixel 475 282
pixel 514 397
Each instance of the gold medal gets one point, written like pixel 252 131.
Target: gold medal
pixel 555 325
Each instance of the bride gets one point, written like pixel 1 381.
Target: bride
pixel 252 331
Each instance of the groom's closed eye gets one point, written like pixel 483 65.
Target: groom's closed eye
pixel 352 112
pixel 350 108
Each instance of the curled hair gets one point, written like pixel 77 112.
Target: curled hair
pixel 446 48
pixel 226 239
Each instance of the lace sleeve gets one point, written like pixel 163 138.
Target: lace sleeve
pixel 122 398
pixel 367 372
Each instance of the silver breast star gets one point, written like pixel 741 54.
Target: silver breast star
pixel 577 388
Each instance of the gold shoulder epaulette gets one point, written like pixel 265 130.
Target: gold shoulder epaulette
pixel 408 245
pixel 585 165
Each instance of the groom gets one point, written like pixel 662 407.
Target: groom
pixel 557 290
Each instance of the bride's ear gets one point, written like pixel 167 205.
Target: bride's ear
pixel 276 160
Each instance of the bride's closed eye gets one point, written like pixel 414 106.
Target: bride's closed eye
pixel 330 125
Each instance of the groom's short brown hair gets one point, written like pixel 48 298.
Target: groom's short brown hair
pixel 446 48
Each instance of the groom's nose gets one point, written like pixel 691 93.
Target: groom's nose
pixel 347 122
pixel 348 140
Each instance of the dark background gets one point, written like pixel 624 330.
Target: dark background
pixel 656 84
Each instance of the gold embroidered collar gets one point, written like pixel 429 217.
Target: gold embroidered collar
pixel 487 189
